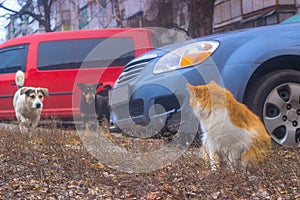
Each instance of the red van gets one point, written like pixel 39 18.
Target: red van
pixel 60 60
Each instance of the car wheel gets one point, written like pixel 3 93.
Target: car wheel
pixel 276 99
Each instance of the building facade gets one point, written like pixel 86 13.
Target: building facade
pixel 97 14
pixel 236 14
pixel 67 15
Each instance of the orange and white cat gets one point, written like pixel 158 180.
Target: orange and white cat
pixel 232 134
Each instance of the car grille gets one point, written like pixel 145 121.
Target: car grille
pixel 136 108
pixel 130 72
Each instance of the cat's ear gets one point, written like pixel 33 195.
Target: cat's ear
pixel 191 88
pixel 213 83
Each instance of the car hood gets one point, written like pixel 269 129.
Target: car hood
pixel 243 34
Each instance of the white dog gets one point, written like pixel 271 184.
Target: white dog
pixel 28 102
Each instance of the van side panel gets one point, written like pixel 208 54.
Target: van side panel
pixel 58 61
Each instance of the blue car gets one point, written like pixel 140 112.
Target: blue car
pixel 260 66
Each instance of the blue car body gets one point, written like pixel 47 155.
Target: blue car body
pixel 241 57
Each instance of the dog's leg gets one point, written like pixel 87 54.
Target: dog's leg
pixel 24 123
pixel 94 124
pixel 22 119
pixel 87 129
pixel 85 124
pixel 35 123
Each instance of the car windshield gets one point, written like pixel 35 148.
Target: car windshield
pixel 293 19
pixel 162 37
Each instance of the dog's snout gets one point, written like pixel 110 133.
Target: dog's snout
pixel 90 97
pixel 38 105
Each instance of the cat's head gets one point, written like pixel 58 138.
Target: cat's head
pixel 210 96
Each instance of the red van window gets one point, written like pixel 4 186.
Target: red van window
pixel 70 54
pixel 13 58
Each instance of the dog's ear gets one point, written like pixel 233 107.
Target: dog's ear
pixel 25 90
pixel 81 86
pixel 45 91
pixel 99 84
pixel 107 87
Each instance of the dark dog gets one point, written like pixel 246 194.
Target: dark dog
pixel 102 108
pixel 93 105
pixel 87 103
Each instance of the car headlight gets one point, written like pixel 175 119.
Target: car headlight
pixel 185 56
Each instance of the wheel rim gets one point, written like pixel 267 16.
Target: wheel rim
pixel 281 114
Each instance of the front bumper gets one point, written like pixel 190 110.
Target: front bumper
pixel 155 103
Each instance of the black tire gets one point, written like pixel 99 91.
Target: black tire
pixel 271 98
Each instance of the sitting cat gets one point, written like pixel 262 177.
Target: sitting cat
pixel 232 134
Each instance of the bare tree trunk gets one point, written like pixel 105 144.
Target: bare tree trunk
pixel 201 17
pixel 47 10
pixel 200 11
pixel 118 17
pixel 163 16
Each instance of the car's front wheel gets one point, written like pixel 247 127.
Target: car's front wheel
pixel 276 99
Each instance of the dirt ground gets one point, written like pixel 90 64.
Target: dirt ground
pixel 55 164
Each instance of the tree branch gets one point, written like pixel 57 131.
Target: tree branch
pixel 8 9
pixel 28 10
pixel 173 25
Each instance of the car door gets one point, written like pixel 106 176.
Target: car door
pixel 12 59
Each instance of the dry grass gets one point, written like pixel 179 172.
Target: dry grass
pixel 53 164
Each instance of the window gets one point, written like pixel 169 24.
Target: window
pixel 13 59
pixel 72 54
pixel 83 13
